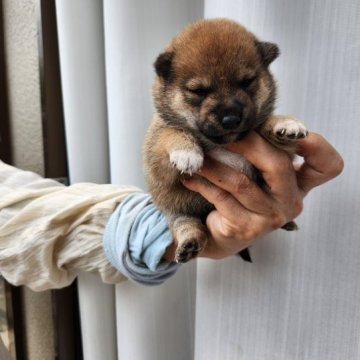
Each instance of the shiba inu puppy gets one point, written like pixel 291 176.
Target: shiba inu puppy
pixel 212 87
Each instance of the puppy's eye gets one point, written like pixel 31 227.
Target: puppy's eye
pixel 200 91
pixel 246 82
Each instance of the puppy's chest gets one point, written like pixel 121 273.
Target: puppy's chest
pixel 233 160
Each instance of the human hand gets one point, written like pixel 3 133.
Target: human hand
pixel 244 211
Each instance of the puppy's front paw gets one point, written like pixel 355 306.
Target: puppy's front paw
pixel 187 161
pixel 288 129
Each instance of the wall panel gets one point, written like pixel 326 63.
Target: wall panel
pixel 300 297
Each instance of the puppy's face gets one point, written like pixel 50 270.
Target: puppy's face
pixel 214 79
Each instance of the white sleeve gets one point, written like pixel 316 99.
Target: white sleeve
pixel 50 232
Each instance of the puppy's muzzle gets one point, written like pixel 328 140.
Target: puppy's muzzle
pixel 230 122
pixel 230 117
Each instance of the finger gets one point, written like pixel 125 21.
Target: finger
pixel 321 162
pixel 275 165
pixel 221 245
pixel 235 214
pixel 246 191
pixel 223 201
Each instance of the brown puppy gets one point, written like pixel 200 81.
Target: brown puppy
pixel 213 86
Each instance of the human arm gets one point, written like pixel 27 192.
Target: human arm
pixel 49 232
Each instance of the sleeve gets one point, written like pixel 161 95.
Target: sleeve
pixel 49 232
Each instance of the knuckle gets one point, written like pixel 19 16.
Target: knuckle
pixel 337 166
pixel 240 231
pixel 278 219
pixel 250 233
pixel 242 184
pixel 297 208
pixel 282 165
pixel 221 195
pixel 228 232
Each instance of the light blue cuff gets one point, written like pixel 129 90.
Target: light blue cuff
pixel 135 239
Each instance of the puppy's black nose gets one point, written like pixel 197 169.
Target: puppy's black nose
pixel 230 122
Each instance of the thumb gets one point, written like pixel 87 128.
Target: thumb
pixel 321 162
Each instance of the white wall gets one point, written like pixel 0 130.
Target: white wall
pixel 300 298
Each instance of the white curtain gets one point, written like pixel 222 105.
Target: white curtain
pixel 106 117
pixel 81 45
pixel 301 297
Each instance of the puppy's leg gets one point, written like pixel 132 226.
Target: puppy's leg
pixel 186 155
pixel 174 147
pixel 283 131
pixel 190 235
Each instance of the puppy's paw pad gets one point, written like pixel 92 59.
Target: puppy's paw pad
pixel 187 250
pixel 187 161
pixel 289 129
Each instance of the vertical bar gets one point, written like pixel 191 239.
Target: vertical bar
pixel 152 323
pixel 80 31
pixel 5 149
pixel 51 95
pixel 65 301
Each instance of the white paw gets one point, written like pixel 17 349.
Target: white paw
pixel 288 129
pixel 187 161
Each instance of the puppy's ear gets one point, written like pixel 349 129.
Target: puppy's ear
pixel 268 51
pixel 163 64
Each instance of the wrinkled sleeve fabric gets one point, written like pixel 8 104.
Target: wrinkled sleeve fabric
pixel 136 238
pixel 49 232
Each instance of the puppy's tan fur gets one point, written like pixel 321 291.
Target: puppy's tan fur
pixel 213 86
